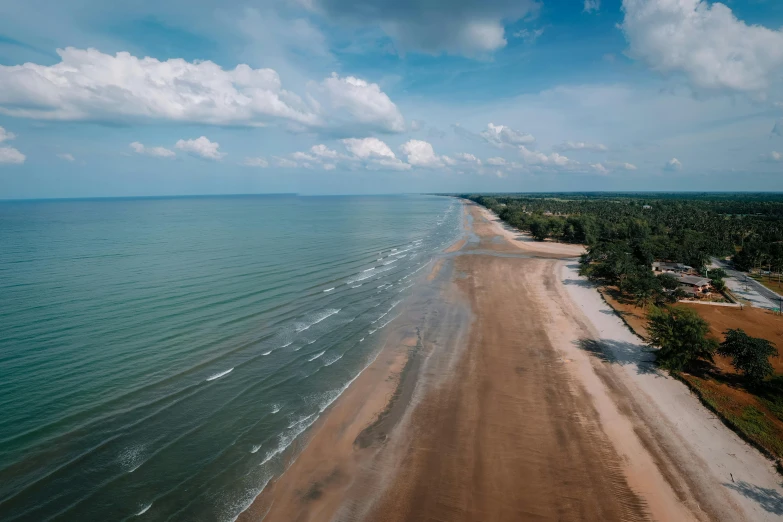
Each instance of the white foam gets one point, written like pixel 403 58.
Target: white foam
pixel 220 374
pixel 255 448
pixel 314 357
pixel 334 360
pixel 317 318
pixel 275 408
pixel 144 509
pixel 362 339
pixel 286 345
pixel 303 419
pixel 356 286
pixel 328 289
pixel 267 353
pixel 369 269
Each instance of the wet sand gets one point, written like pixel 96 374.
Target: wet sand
pixel 488 402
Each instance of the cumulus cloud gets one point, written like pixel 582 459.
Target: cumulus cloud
pixel 592 6
pixel 91 85
pixel 202 148
pixel 5 135
pixel 362 102
pixel 581 145
pixel 503 136
pixel 10 155
pixel 421 154
pixel 598 167
pixel 467 27
pixel 497 161
pixel 554 159
pixel 158 152
pixel 704 41
pixel 374 153
pixel 673 165
pixel 66 157
pixel 773 157
pixel 256 162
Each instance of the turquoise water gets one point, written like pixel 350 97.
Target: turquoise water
pixel 159 356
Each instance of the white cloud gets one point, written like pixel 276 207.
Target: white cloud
pixel 598 167
pixel 374 153
pixel 468 158
pixel 468 27
pixel 285 163
pixel 704 41
pixel 158 152
pixel 66 157
pixel 9 154
pixel 368 148
pixel 773 157
pixel 620 165
pixel 322 151
pixel 256 162
pixel 532 157
pixel 592 6
pixel 91 85
pixel 496 161
pixel 581 145
pixel 528 35
pixel 5 135
pixel 502 136
pixel 364 103
pixel 329 166
pixel 202 148
pixel 421 154
pixel 673 165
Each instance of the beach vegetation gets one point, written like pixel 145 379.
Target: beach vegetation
pixel 680 335
pixel 750 355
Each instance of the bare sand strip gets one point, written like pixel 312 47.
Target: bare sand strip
pixel 730 477
pixel 508 391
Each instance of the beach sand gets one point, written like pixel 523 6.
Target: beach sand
pixel 506 390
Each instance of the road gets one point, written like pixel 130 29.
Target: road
pixel 744 286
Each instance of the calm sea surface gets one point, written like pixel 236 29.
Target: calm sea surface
pixel 158 356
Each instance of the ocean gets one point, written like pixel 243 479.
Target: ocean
pixel 162 358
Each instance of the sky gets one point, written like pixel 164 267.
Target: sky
pixel 147 98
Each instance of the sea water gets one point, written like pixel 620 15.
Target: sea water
pixel 162 358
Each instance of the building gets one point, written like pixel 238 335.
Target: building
pixel 694 284
pixel 646 207
pixel 661 267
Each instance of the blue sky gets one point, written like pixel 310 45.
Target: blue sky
pixel 341 96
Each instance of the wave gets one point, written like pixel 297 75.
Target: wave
pixel 286 345
pixel 132 458
pixel 390 262
pixel 144 509
pixel 369 269
pixel 303 419
pixel 320 316
pixel 356 286
pixel 314 357
pixel 267 353
pixel 275 408
pixel 255 448
pixel 331 362
pixel 220 374
pixel 328 289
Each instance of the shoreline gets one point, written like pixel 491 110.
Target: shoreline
pixel 509 390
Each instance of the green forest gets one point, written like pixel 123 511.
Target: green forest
pixel 684 227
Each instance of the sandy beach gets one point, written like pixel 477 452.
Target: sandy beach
pixel 508 390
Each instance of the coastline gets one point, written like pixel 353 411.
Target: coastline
pixel 506 391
